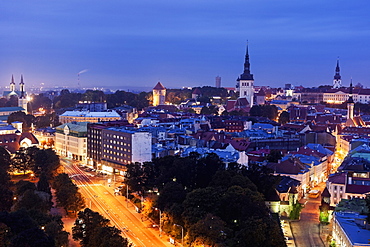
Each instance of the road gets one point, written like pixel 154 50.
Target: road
pixel 306 231
pixel 101 199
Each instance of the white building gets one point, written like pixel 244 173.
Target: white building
pixel 71 140
pixel 349 230
pixel 86 116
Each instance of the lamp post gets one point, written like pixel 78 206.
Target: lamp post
pixel 182 233
pixel 160 221
pixel 127 194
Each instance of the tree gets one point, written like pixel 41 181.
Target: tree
pixel 4 158
pixel 31 199
pixel 284 117
pixel 92 230
pixel 46 161
pixel 210 231
pixel 67 193
pixel 22 186
pixel 26 119
pixel 22 161
pixel 33 237
pixel 6 198
pixel 43 184
pixel 269 111
pixel 274 155
pixel 108 236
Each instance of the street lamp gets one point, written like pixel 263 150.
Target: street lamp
pixel 182 233
pixel 160 221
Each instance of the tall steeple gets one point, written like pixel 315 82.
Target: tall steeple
pixel 337 82
pixel 247 68
pixel 245 82
pixel 12 85
pixel 21 87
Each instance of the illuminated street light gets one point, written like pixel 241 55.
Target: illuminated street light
pixel 182 233
pixel 160 221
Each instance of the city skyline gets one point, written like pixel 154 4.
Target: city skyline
pixel 124 44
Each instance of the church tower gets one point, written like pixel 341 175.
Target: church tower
pixel 12 85
pixel 159 94
pixel 22 100
pixel 337 82
pixel 245 82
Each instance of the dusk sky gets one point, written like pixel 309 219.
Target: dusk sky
pixel 125 44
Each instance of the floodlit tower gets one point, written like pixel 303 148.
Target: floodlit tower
pixel 245 82
pixel 159 94
pixel 22 99
pixel 337 82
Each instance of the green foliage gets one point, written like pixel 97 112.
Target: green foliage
pixel 274 155
pixel 92 230
pixel 296 211
pixel 67 193
pixel 23 228
pixel 4 158
pixel 36 200
pixel 66 99
pixel 23 160
pixel 6 198
pixel 269 111
pixel 221 207
pixel 176 96
pixel 120 98
pixel 39 101
pixel 284 117
pixel 43 184
pixel 93 96
pixel 209 110
pixel 26 119
pixel 22 186
pixel 47 120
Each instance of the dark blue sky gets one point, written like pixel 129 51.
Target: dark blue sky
pixel 183 43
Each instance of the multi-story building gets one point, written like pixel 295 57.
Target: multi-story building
pixel 111 148
pixel 349 230
pixel 86 116
pixel 71 140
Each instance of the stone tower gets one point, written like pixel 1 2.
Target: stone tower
pixel 245 82
pixel 159 94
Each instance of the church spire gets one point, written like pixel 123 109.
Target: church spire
pixel 21 85
pixel 337 82
pixel 12 85
pixel 247 71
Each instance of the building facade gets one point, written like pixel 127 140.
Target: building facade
pixel 86 116
pixel 71 140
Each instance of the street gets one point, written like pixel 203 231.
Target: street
pixel 306 230
pixel 101 198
